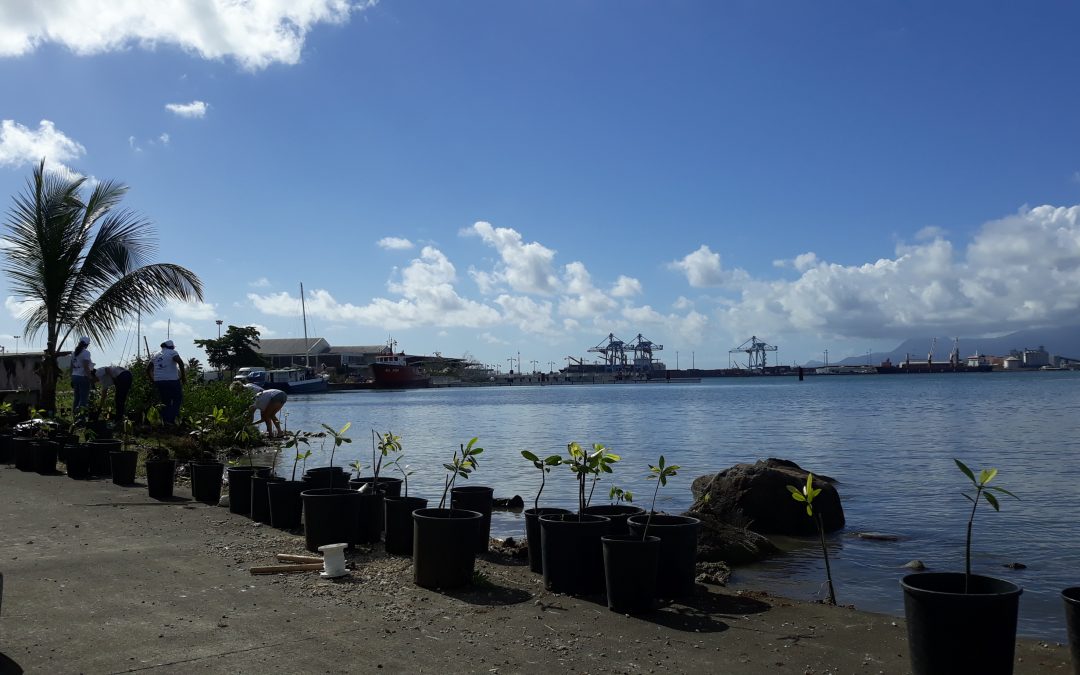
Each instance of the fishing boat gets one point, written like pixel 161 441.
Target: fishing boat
pixel 398 371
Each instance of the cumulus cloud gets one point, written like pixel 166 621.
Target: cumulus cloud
pixel 394 243
pixel 255 33
pixel 582 299
pixel 174 329
pixel 261 282
pixel 626 287
pixel 1016 272
pixel 193 110
pixel 164 139
pixel 195 310
pixel 530 316
pixel 704 269
pixel 525 268
pixel 20 145
pixel 19 309
pixel 428 298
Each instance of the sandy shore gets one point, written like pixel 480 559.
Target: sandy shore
pixel 101 579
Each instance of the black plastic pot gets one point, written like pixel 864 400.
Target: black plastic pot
pixel 285 503
pixel 618 513
pixel 324 478
pixel 23 449
pixel 678 551
pixel 573 558
pixel 330 516
pixel 45 453
pixel 390 487
pixel 444 547
pixel 398 528
pixel 160 478
pixel 240 487
pixel 78 460
pixel 99 456
pixel 475 498
pixel 6 454
pixel 630 572
pixel 950 631
pixel 1071 596
pixel 260 497
pixel 370 517
pixel 206 481
pixel 532 535
pixel 123 463
pixel 62 443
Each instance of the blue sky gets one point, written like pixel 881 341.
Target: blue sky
pixel 495 177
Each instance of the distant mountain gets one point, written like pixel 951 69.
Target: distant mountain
pixel 1057 341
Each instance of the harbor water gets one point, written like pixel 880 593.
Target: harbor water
pixel 889 440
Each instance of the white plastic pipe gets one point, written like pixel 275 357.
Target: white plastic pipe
pixel 333 560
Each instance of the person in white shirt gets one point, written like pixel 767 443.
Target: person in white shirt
pixel 81 367
pixel 166 369
pixel 268 402
pixel 110 376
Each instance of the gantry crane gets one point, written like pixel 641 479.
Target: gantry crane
pixel 755 351
pixel 614 351
pixel 643 349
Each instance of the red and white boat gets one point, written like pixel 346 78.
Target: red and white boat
pixel 398 371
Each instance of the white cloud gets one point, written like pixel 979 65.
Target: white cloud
pixel 1015 272
pixel 394 243
pixel 164 139
pixel 194 110
pixel 20 145
pixel 264 332
pixel 682 303
pixel 174 329
pixel 194 311
pixel 491 339
pixel 583 300
pixel 133 145
pixel 256 33
pixel 261 282
pixel 702 268
pixel 428 298
pixel 626 287
pixel 930 232
pixel 526 268
pixel 527 314
pixel 19 309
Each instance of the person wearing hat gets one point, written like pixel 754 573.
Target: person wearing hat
pixel 166 369
pixel 81 367
pixel 119 377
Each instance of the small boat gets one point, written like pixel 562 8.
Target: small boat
pixel 398 371
pixel 289 380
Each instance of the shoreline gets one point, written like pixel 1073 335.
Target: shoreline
pixel 99 578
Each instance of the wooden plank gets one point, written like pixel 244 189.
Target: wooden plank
pixel 289 557
pixel 276 569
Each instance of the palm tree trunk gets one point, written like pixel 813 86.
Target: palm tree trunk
pixel 49 373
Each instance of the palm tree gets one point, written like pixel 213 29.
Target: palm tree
pixel 82 265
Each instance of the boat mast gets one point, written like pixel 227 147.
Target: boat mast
pixel 303 311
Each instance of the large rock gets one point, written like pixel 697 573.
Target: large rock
pixel 756 496
pixel 720 541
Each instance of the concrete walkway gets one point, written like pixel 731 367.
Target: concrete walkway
pixel 101 579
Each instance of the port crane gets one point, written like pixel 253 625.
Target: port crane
pixel 643 349
pixel 756 351
pixel 614 352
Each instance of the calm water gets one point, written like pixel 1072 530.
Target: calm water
pixel 889 440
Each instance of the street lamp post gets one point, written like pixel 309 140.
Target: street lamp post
pixel 17 343
pixel 218 322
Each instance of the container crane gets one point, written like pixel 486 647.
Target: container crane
pixel 755 351
pixel 643 349
pixel 614 351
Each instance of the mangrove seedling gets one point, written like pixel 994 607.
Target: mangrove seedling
pixel 983 490
pixel 405 472
pixel 294 439
pixel 385 444
pixel 460 467
pixel 583 463
pixel 807 496
pixel 617 495
pixel 544 465
pixel 660 473
pixel 339 439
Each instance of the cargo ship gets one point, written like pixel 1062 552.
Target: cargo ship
pixel 398 371
pixel 974 364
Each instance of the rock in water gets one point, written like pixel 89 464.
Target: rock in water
pixel 720 541
pixel 916 565
pixel 757 496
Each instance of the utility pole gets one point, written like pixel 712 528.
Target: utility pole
pixel 218 322
pixel 534 363
pixel 693 363
pixel 519 362
pixel 551 366
pixel 510 361
pixel 676 359
pixel 17 343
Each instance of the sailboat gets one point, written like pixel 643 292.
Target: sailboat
pixel 295 379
